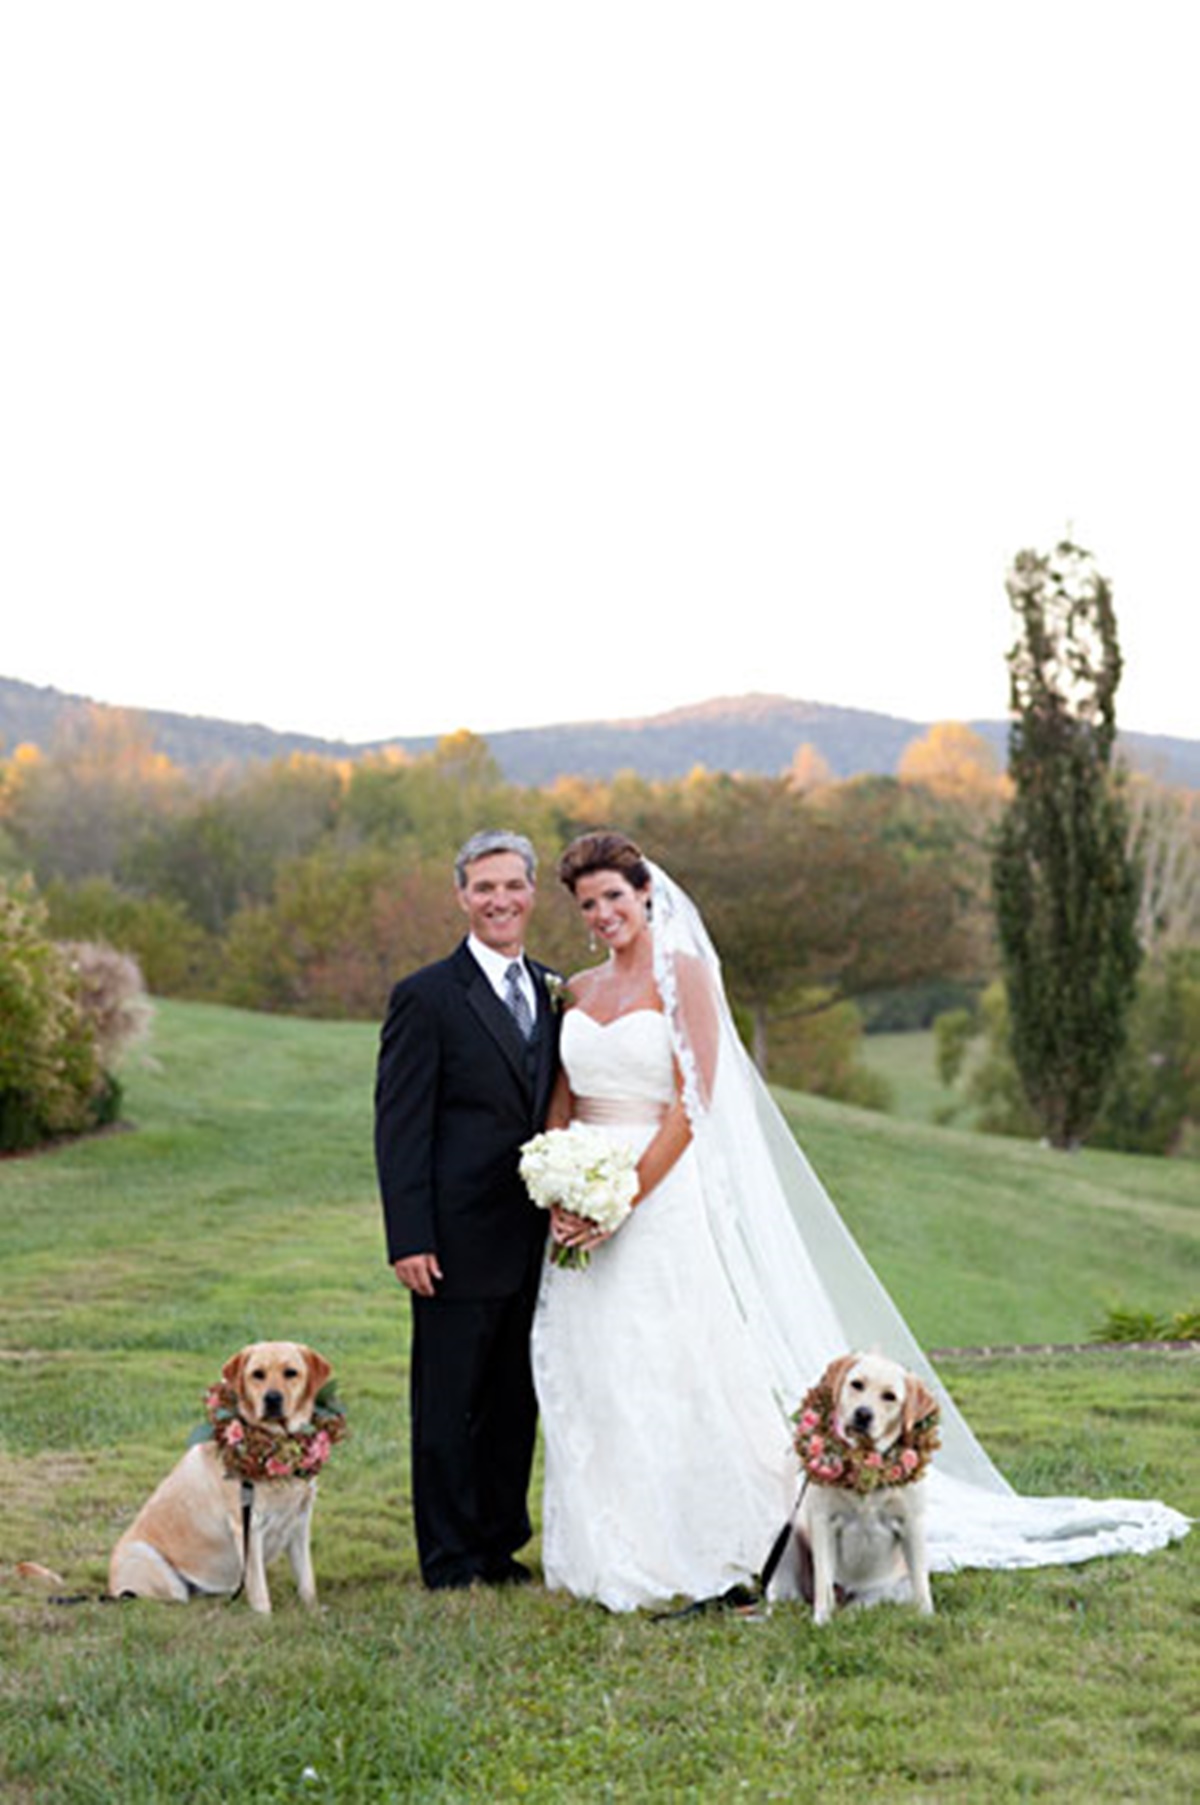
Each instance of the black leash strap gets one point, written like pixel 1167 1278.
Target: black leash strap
pixel 737 1598
pixel 247 1513
pixel 776 1555
pixel 741 1598
pixel 781 1541
pixel 108 1598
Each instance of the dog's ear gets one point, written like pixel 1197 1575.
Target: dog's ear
pixel 834 1376
pixel 318 1369
pixel 234 1368
pixel 919 1401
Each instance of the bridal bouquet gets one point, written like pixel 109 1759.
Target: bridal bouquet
pixel 584 1171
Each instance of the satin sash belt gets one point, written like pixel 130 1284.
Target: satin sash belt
pixel 618 1109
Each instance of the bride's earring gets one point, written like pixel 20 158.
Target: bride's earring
pixel 591 941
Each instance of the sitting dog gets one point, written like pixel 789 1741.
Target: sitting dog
pixel 202 1530
pixel 864 1435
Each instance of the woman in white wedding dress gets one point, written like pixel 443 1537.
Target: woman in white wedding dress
pixel 667 1369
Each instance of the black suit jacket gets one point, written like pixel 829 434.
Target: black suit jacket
pixel 457 1092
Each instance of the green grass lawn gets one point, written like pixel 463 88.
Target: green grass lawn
pixel 906 1063
pixel 242 1204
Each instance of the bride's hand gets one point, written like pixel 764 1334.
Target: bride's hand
pixel 569 1230
pixel 561 1223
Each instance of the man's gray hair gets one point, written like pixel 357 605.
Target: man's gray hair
pixel 494 839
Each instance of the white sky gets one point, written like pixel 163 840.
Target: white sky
pixel 382 369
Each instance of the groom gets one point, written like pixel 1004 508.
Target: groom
pixel 467 1061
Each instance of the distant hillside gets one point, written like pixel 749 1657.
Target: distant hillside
pixel 758 734
pixel 32 715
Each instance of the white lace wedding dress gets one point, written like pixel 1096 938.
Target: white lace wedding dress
pixel 667 1369
pixel 666 1459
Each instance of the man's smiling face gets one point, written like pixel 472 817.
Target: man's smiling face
pixel 497 899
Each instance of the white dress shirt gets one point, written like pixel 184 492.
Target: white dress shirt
pixel 495 966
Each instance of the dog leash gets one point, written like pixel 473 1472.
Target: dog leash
pixel 739 1597
pixel 247 1501
pixel 247 1513
pixel 780 1543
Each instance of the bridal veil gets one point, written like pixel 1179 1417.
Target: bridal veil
pixel 806 1292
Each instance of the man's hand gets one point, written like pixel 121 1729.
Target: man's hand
pixel 419 1272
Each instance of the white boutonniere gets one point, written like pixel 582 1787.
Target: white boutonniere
pixel 558 991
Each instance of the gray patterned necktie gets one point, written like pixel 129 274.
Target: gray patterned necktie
pixel 518 1002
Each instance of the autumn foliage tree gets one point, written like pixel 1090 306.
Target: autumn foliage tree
pixel 309 885
pixel 75 812
pixel 1066 888
pixel 806 901
pixel 955 763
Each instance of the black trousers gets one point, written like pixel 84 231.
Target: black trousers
pixel 474 1423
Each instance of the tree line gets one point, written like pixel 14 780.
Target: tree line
pixel 308 885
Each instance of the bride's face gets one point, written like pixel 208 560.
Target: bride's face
pixel 612 909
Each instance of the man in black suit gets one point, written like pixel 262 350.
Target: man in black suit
pixel 467 1061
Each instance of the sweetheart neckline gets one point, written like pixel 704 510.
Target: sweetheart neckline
pixel 627 1017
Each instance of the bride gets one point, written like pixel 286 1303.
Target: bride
pixel 667 1369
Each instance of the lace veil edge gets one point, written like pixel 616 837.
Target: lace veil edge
pixel 797 1275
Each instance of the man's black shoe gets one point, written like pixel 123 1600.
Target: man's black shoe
pixel 507 1572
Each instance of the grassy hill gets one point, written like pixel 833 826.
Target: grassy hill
pixel 241 1203
pixel 255 1131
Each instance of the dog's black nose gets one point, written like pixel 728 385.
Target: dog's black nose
pixel 272 1403
pixel 863 1417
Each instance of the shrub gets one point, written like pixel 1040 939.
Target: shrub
pixel 1155 1091
pixel 51 1079
pixel 1153 1100
pixel 112 997
pixel 337 934
pixel 1122 1324
pixel 912 1007
pixel 177 958
pixel 986 1078
pixel 817 1050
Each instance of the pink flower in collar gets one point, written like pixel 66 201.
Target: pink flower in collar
pixel 317 1453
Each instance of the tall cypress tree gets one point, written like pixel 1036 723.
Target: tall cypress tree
pixel 1065 886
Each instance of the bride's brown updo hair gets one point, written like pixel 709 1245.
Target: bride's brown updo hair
pixel 603 852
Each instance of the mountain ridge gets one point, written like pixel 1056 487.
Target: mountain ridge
pixel 757 733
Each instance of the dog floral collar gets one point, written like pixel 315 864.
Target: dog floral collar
pixel 833 1454
pixel 253 1451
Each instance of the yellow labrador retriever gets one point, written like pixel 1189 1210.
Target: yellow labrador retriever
pixel 864 1441
pixel 202 1530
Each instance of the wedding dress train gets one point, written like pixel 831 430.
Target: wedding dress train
pixel 667 1369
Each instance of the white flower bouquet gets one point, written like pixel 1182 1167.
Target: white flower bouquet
pixel 586 1173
